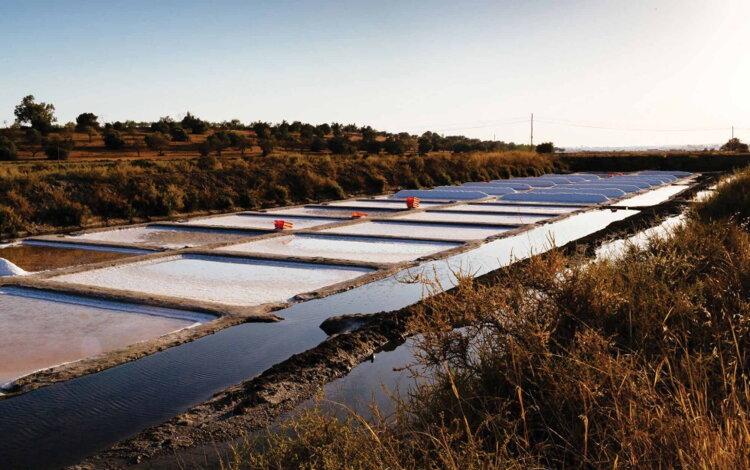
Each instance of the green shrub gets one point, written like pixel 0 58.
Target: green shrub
pixel 7 149
pixel 113 140
pixel 58 149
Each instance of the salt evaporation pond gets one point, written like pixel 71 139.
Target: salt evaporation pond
pixel 652 197
pixel 43 329
pixel 470 218
pixel 78 412
pixel 419 230
pixel 324 211
pixel 512 208
pixel 369 249
pixel 382 204
pixel 225 280
pixel 165 236
pixel 257 221
pixel 40 257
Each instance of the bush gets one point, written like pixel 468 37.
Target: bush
pixel 341 146
pixel 10 222
pixel 207 162
pixel 317 144
pixel 735 145
pixel 394 146
pixel 8 149
pixel 266 146
pixel 179 134
pixel 58 149
pixel 60 210
pixel 157 141
pixel 545 147
pixel 113 140
pixel 219 141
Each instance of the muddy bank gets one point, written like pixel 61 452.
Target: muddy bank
pixel 255 403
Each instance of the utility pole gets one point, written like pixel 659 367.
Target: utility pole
pixel 732 132
pixel 532 129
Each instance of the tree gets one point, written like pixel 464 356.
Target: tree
pixel 163 125
pixel 735 145
pixel 179 134
pixel 323 129
pixel 424 144
pixel 395 145
pixel 241 142
pixel 39 115
pixel 135 143
pixel 336 129
pixel 195 125
pixel 317 144
pixel 113 140
pixel 35 141
pixel 157 141
pixel 204 149
pixel 545 147
pixel 58 149
pixel 266 146
pixel 7 149
pixel 218 141
pixel 68 130
pixel 262 130
pixel 90 131
pixel 85 120
pixel 341 145
pixel 372 146
pixel 306 132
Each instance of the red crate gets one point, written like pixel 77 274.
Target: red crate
pixel 283 225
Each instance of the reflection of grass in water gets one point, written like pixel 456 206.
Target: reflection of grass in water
pixel 638 363
pixel 40 258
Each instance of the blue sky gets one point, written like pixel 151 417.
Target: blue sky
pixel 593 72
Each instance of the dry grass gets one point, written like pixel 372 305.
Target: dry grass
pixel 731 200
pixel 639 363
pixel 45 197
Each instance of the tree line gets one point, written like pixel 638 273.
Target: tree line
pixel 36 130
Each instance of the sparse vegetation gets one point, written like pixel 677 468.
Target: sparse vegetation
pixel 635 363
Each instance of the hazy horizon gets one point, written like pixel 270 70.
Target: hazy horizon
pixel 593 73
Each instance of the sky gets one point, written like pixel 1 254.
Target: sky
pixel 593 72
